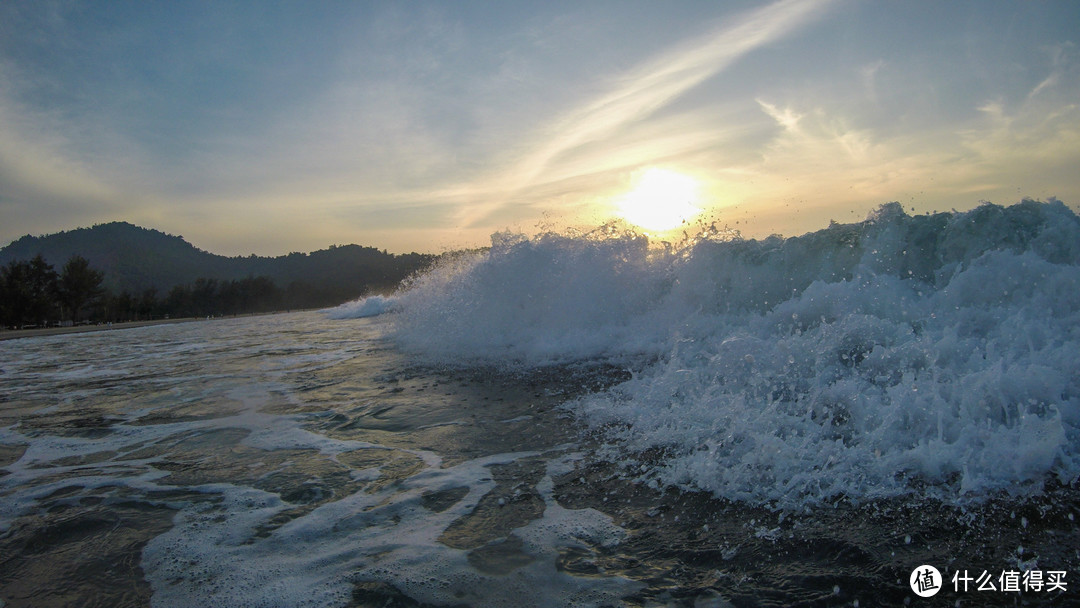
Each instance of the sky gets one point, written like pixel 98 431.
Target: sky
pixel 271 127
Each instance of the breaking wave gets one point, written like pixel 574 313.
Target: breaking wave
pixel 935 354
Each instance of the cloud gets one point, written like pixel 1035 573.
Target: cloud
pixel 785 117
pixel 869 79
pixel 647 89
pixel 825 159
pixel 367 146
pixel 640 93
pixel 1018 145
pixel 390 126
pixel 39 178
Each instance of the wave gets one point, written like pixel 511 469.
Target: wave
pixel 937 354
pixel 371 306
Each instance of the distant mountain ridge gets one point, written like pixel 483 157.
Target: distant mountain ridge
pixel 135 259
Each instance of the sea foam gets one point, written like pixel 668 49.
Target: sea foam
pixel 937 354
pixel 371 306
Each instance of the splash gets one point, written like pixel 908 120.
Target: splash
pixel 935 354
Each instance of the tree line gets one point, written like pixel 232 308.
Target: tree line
pixel 34 294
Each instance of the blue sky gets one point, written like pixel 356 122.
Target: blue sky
pixel 273 127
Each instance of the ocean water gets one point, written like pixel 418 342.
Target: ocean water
pixel 577 420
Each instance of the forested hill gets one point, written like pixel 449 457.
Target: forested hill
pixel 135 259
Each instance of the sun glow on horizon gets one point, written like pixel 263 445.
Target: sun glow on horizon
pixel 662 200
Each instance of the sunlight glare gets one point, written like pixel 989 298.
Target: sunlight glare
pixel 661 201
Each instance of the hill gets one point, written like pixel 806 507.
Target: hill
pixel 135 259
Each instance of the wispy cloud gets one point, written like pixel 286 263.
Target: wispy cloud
pixel 1059 58
pixel 38 175
pixel 642 92
pixel 428 129
pixel 821 160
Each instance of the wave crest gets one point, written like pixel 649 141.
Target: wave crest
pixel 938 352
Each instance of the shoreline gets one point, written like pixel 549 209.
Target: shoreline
pixel 15 334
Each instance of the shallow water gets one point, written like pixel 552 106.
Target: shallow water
pixel 296 460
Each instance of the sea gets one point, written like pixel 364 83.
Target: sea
pixel 878 413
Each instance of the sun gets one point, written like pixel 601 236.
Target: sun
pixel 662 200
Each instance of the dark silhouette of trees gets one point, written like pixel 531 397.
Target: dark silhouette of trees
pixel 28 291
pixel 79 286
pixel 211 297
pixel 32 294
pixel 134 259
pixel 119 272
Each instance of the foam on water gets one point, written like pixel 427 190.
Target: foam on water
pixel 387 536
pixel 220 423
pixel 937 354
pixel 371 306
